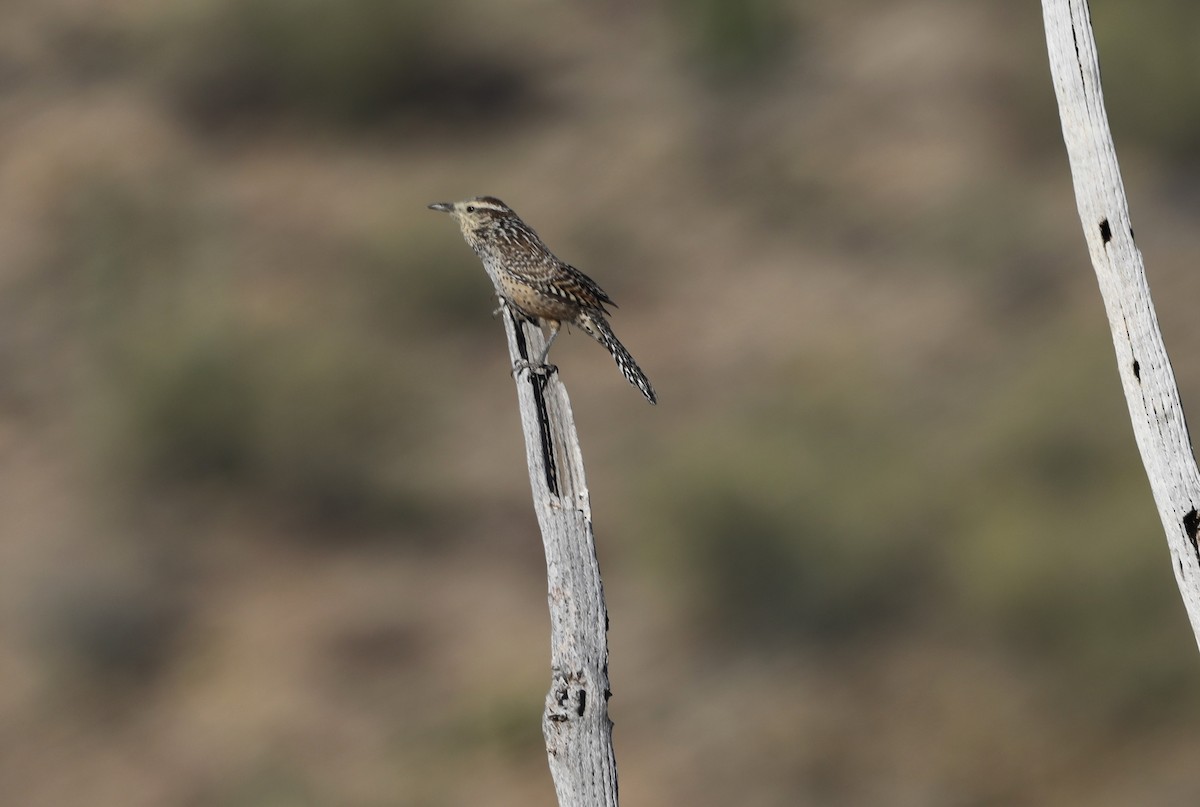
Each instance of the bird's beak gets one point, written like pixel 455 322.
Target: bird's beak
pixel 442 207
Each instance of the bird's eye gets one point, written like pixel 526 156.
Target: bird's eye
pixel 470 208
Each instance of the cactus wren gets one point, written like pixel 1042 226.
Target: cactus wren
pixel 540 286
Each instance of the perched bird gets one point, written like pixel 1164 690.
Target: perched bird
pixel 539 285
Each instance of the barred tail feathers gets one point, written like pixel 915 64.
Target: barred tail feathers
pixel 598 328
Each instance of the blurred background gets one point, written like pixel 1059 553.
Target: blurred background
pixel 267 536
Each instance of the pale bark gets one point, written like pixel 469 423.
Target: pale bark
pixel 1146 375
pixel 575 723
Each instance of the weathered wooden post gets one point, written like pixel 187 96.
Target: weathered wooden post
pixel 575 723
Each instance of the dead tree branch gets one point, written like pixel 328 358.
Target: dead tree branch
pixel 1145 370
pixel 575 723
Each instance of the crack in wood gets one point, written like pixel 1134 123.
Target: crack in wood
pixel 1191 524
pixel 538 382
pixel 1078 61
pixel 549 466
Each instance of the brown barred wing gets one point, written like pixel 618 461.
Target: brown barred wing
pixel 588 292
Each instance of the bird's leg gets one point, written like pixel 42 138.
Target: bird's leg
pixel 555 327
pixel 540 365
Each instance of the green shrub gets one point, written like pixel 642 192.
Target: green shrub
pixel 184 390
pixel 109 631
pixel 346 62
pixel 427 282
pixel 797 521
pixel 733 39
pixel 1150 55
pixel 1056 550
pixel 191 411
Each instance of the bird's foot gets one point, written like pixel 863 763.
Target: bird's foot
pixel 534 368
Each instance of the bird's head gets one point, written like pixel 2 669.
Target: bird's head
pixel 477 215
